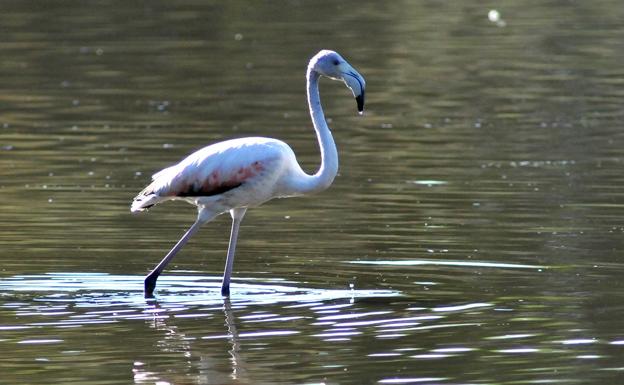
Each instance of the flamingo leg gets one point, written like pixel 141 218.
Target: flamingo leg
pixel 150 280
pixel 237 216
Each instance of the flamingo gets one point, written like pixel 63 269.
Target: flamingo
pixel 236 174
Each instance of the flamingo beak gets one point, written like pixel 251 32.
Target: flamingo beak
pixel 356 84
pixel 360 102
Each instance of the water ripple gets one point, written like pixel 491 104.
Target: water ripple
pixel 93 290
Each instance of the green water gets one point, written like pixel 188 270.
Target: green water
pixel 473 234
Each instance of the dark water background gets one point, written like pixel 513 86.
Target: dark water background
pixel 473 235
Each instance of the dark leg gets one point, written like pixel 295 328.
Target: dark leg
pixel 150 280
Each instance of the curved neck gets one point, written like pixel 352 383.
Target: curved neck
pixel 329 155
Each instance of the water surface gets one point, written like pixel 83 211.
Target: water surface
pixel 472 236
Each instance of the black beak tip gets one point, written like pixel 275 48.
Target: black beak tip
pixel 360 102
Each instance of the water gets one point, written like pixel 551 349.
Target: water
pixel 473 235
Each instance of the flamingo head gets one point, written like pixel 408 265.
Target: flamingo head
pixel 331 64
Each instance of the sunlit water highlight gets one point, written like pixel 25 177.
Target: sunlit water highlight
pixel 88 289
pixel 420 262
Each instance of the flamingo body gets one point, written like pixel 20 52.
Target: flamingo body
pixel 240 173
pixel 243 172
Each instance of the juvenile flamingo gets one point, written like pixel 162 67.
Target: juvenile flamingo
pixel 240 173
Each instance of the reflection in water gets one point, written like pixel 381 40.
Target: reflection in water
pixel 238 365
pixel 175 340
